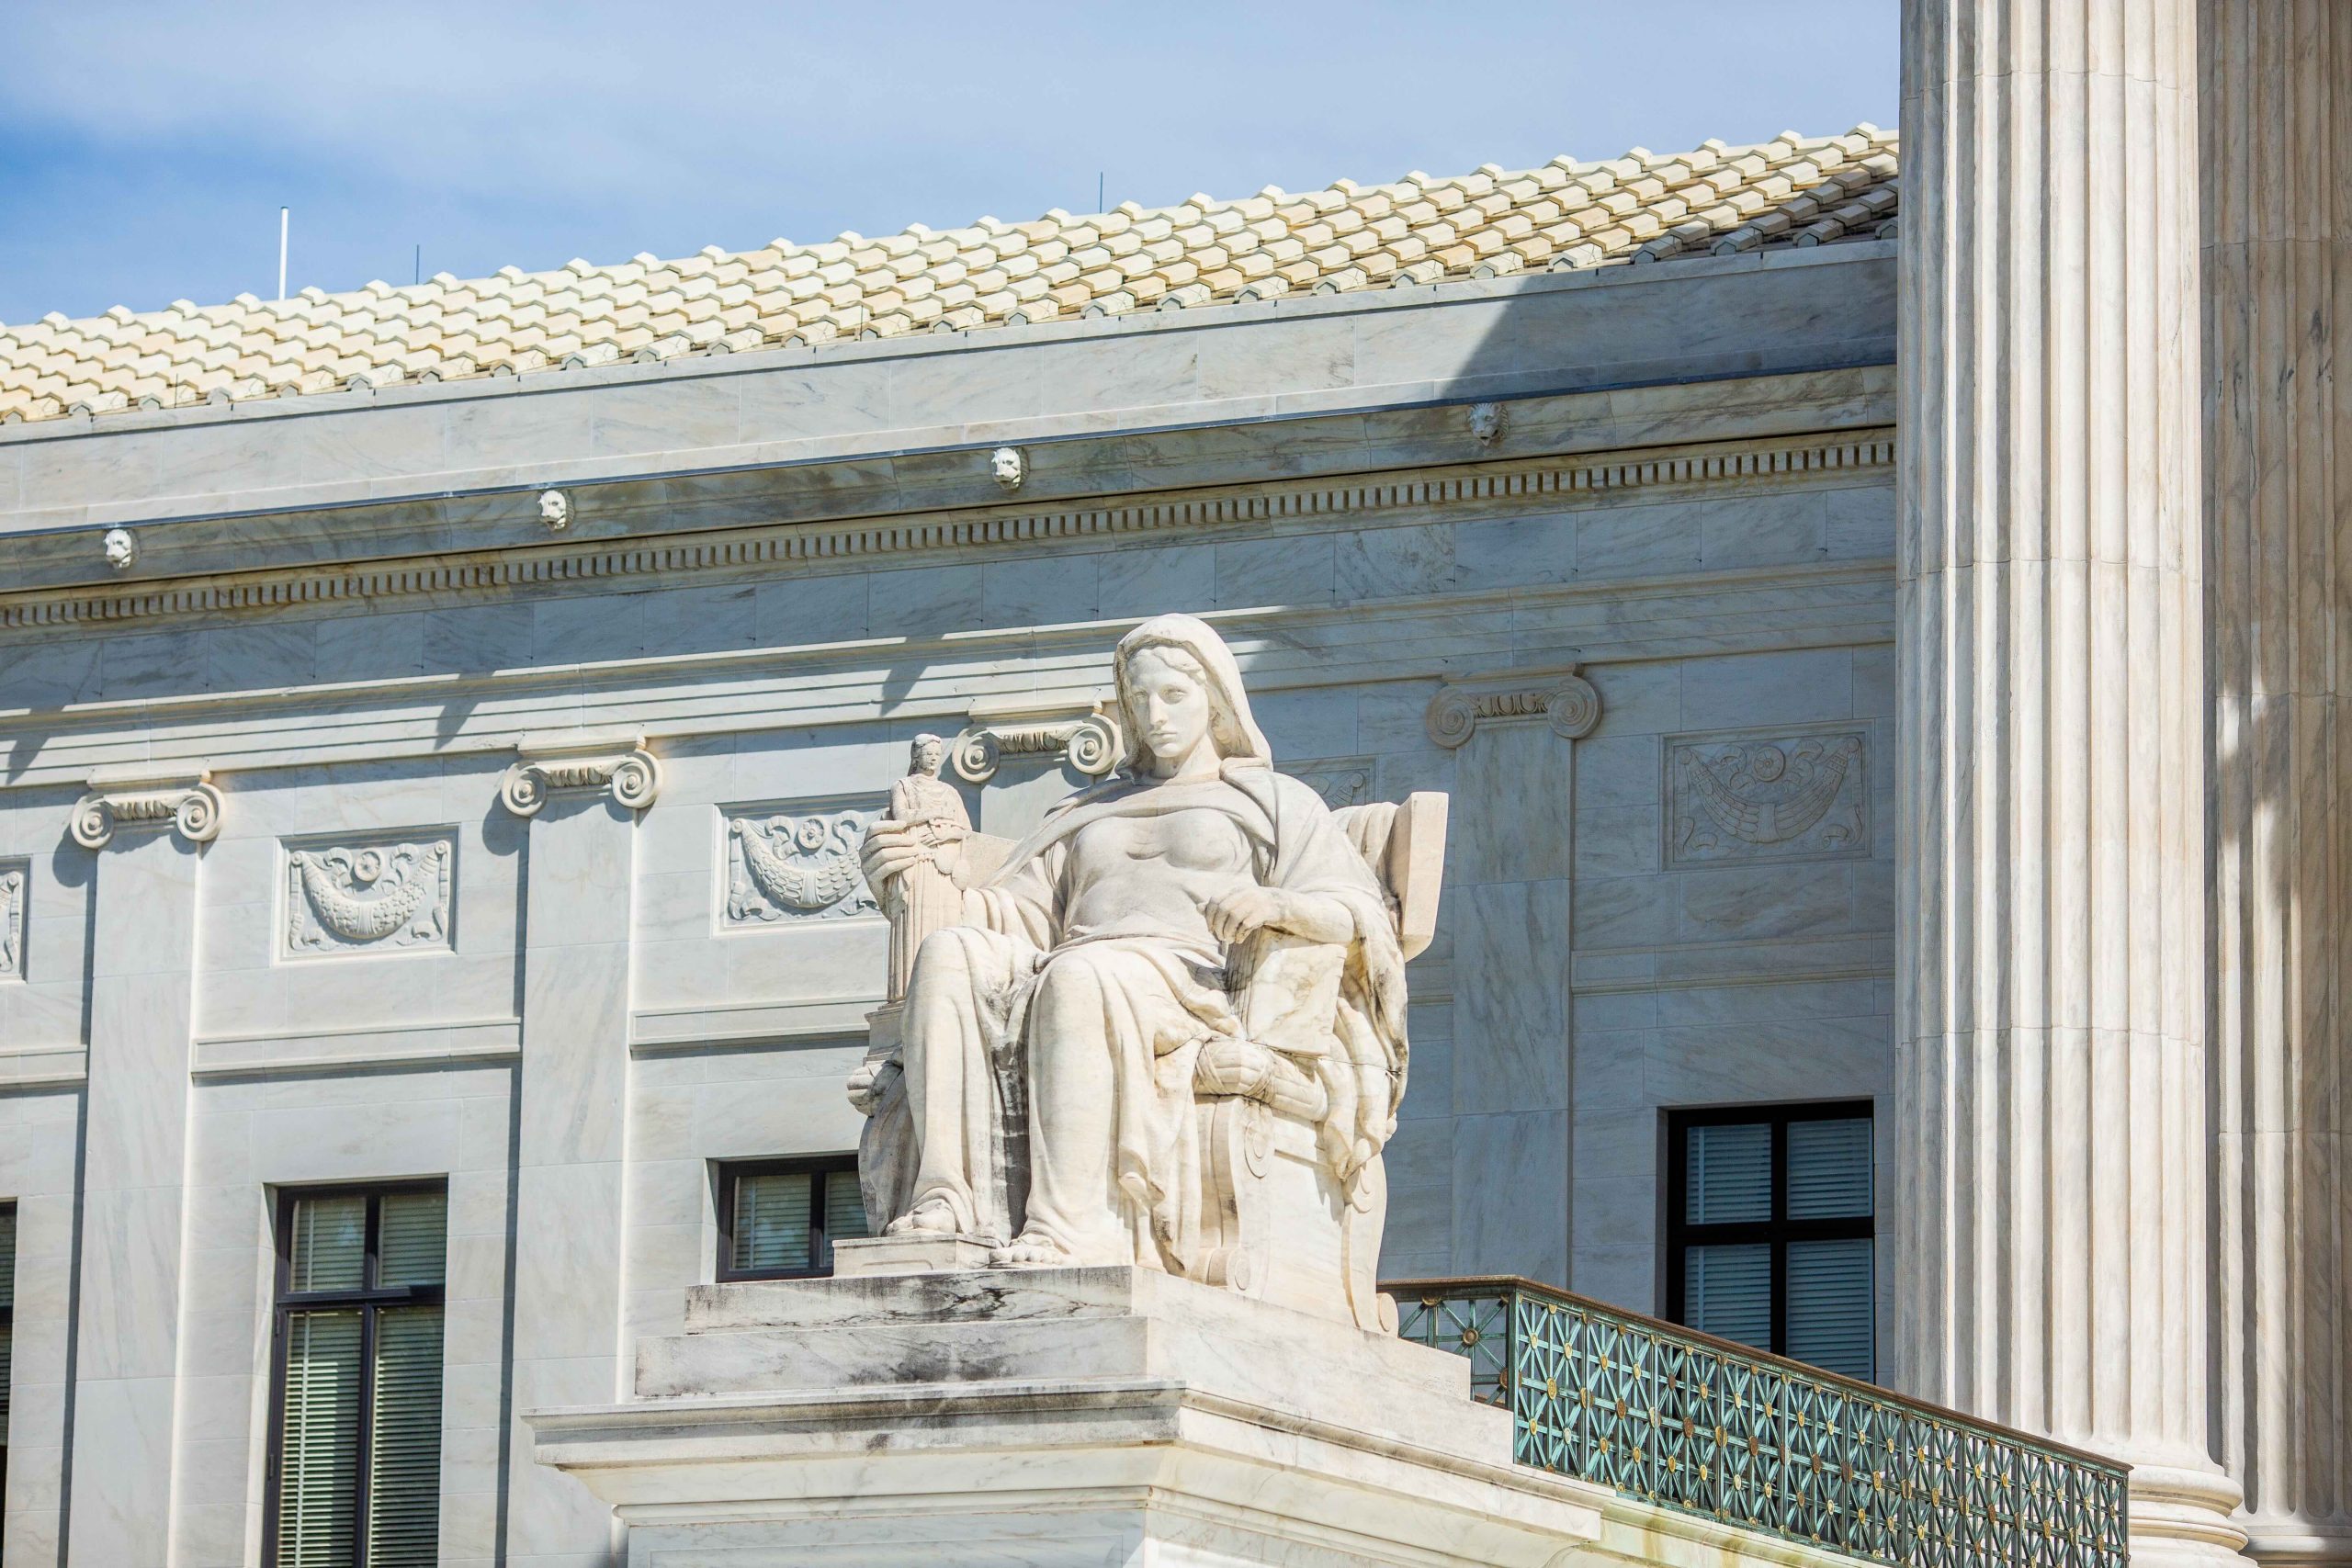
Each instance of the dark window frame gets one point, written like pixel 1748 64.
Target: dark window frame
pixel 1777 1230
pixel 369 1298
pixel 826 1167
pixel 8 1322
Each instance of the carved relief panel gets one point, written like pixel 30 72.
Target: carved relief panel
pixel 1756 795
pixel 388 895
pixel 1340 781
pixel 14 893
pixel 796 862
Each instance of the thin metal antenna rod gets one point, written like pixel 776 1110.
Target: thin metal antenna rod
pixel 281 250
pixel 1098 192
pixel 416 268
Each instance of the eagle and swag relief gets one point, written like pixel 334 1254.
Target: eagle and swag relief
pixel 1165 1028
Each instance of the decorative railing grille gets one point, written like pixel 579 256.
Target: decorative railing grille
pixel 1661 1413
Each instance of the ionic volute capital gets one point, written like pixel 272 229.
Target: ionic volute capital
pixel 183 799
pixel 1561 699
pixel 614 760
pixel 1090 742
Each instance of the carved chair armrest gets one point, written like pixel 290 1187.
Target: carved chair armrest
pixel 1405 846
pixel 984 855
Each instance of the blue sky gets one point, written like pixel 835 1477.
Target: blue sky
pixel 145 148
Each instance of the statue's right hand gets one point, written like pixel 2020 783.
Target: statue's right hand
pixel 890 848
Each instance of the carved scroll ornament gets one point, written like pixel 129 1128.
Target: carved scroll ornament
pixel 1565 701
pixel 187 801
pixel 610 761
pixel 1090 744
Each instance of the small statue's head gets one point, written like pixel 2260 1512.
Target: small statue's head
pixel 121 548
pixel 925 755
pixel 1487 421
pixel 555 509
pixel 1008 468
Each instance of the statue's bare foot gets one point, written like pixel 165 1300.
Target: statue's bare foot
pixel 931 1217
pixel 1029 1251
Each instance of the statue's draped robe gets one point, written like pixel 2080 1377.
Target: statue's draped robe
pixel 1094 923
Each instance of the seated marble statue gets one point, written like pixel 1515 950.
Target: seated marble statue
pixel 1197 931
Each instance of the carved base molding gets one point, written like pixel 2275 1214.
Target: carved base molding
pixel 138 797
pixel 1560 698
pixel 613 759
pixel 33 1067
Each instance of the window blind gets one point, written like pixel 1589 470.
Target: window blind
pixel 1829 1168
pixel 1727 1290
pixel 1830 1305
pixel 330 1250
pixel 1730 1173
pixel 844 1208
pixel 412 1238
pixel 773 1225
pixel 404 1457
pixel 319 1451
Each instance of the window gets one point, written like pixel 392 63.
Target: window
pixel 779 1219
pixel 1769 1230
pixel 356 1422
pixel 7 1327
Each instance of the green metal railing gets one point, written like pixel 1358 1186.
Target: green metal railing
pixel 1672 1417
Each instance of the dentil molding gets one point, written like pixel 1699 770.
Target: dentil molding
pixel 601 760
pixel 122 797
pixel 1562 699
pixel 1412 493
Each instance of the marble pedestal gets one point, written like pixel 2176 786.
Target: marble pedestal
pixel 1096 1417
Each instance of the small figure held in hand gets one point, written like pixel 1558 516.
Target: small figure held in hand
pixel 922 843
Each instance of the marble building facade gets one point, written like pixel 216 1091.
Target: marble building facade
pixel 409 776
pixel 1562 624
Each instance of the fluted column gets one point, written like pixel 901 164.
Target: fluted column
pixel 2277 130
pixel 2051 1133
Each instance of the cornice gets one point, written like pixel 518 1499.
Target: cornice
pixel 1356 497
pixel 674 699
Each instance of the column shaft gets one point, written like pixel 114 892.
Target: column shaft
pixel 569 1160
pixel 2051 1018
pixel 128 1361
pixel 2277 133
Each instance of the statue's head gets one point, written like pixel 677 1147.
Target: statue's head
pixel 1177 682
pixel 925 755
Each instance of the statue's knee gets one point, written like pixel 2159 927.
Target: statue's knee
pixel 941 951
pixel 1070 980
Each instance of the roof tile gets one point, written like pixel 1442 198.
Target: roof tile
pixel 1566 215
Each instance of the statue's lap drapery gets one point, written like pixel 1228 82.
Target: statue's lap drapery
pixel 1168 1028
